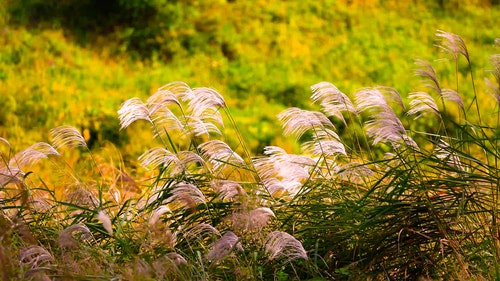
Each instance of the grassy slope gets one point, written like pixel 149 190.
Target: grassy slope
pixel 279 50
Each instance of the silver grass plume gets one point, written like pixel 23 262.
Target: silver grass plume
pixel 422 103
pixel 10 175
pixel 445 152
pixel 371 100
pixel 104 219
pixel 332 100
pixel 391 96
pixel 384 125
pixel 297 122
pixel 203 99
pixel 354 172
pixel 228 190
pixel 158 157
pixel 175 258
pixel 452 44
pixel 203 114
pixel 165 122
pixel 251 220
pixel 282 172
pixel 168 266
pixel 453 96
pixel 197 126
pixel 201 232
pixel 224 246
pixel 185 196
pixel 178 88
pixel 161 100
pixel 36 257
pixel 283 246
pixel 82 196
pixel 132 110
pixel 158 213
pixel 427 71
pixel 174 163
pixel 32 155
pixel 325 142
pixel 67 136
pixel 220 155
pixel 161 115
pixel 72 236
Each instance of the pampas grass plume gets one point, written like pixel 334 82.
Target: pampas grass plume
pixel 67 136
pixel 105 221
pixel 281 245
pixel 224 246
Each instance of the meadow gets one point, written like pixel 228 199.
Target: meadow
pixel 334 140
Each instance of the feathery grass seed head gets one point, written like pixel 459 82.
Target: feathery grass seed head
pixel 36 257
pixel 219 154
pixel 67 136
pixel 32 155
pixel 297 122
pixel 186 196
pixel 224 246
pixel 333 101
pixel 422 103
pixel 132 110
pixel 70 237
pixel 103 217
pixel 281 245
pixel 453 44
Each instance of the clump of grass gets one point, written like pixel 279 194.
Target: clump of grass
pixel 390 201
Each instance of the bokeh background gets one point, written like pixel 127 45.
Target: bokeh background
pixel 73 62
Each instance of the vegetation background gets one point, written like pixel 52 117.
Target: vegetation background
pixel 75 62
pixel 96 215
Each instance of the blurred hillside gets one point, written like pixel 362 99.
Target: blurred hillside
pixel 73 62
